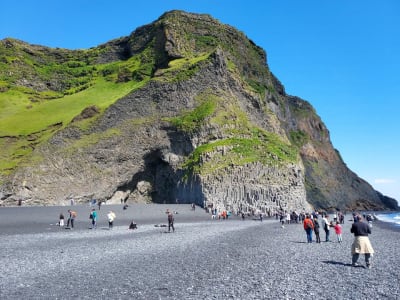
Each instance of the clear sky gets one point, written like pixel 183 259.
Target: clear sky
pixel 342 56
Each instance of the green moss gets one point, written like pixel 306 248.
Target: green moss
pixel 266 148
pixel 298 138
pixel 182 69
pixel 257 87
pixel 88 140
pixel 205 41
pixel 190 121
pixel 231 118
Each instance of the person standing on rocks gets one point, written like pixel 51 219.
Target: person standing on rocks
pixel 71 219
pixel 338 230
pixel 171 222
pixel 361 244
pixel 308 227
pixel 316 230
pixel 61 220
pixel 325 223
pixel 111 218
pixel 93 216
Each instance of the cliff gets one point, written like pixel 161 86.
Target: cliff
pixel 185 109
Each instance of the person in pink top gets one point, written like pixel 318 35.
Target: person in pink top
pixel 338 231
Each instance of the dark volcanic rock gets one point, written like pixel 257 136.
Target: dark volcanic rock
pixel 209 124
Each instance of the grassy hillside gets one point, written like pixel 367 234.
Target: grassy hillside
pixel 19 118
pixel 43 89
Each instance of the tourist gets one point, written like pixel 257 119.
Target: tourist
pixel 316 229
pixel 71 219
pixel 93 217
pixel 361 244
pixel 61 220
pixel 338 231
pixel 111 217
pixel 133 225
pixel 171 222
pixel 308 227
pixel 327 225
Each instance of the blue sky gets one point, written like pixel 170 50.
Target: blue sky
pixel 342 56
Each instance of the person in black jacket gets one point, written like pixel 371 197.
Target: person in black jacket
pixel 171 222
pixel 361 244
pixel 316 230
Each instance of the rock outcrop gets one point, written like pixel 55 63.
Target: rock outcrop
pixel 208 124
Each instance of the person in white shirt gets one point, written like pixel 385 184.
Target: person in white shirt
pixel 326 225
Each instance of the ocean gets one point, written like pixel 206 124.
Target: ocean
pixel 393 218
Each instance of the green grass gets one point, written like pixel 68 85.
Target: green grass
pixel 191 120
pixel 298 138
pixel 16 119
pixel 88 140
pixel 182 69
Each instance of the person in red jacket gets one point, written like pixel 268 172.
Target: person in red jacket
pixel 308 227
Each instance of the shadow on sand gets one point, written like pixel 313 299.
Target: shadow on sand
pixel 331 262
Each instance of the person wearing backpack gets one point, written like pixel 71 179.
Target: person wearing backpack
pixel 308 227
pixel 93 217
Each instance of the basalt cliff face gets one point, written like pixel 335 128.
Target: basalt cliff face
pixel 196 116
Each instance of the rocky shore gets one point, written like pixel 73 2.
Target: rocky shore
pixel 203 259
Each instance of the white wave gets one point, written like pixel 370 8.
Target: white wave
pixel 390 218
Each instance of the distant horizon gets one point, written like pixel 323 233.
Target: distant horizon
pixel 341 57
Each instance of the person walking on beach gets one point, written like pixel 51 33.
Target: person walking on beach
pixel 338 231
pixel 308 227
pixel 61 220
pixel 93 216
pixel 111 218
pixel 325 223
pixel 361 244
pixel 316 230
pixel 171 222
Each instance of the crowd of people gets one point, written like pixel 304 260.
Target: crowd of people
pixel 314 222
pixel 93 217
pixel 361 228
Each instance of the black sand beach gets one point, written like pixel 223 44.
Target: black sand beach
pixel 203 259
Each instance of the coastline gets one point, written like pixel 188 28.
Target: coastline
pixel 37 219
pixel 203 259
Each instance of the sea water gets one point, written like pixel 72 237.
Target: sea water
pixel 390 218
